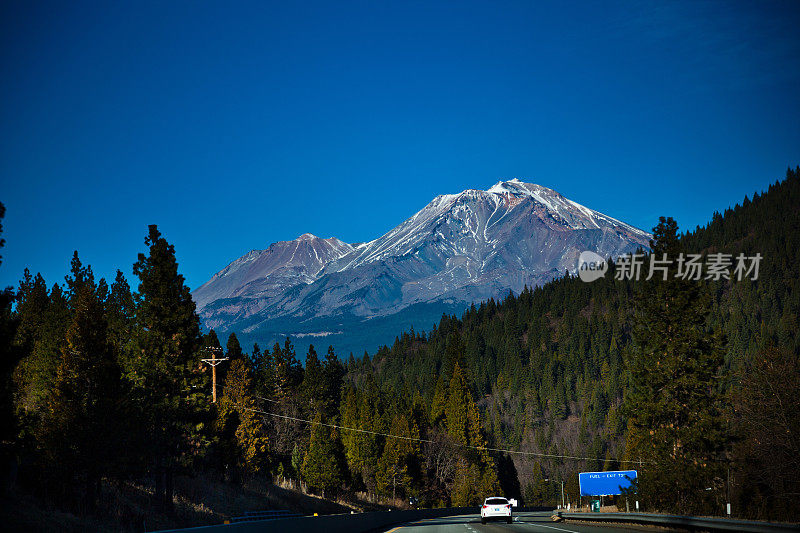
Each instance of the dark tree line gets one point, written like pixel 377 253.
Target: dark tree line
pixel 692 383
pixel 590 369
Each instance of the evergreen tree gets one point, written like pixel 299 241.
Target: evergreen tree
pixel 233 349
pixel 364 410
pixel 458 405
pixel 237 415
pixel 210 340
pixel 287 371
pixel 167 376
pixel 79 277
pixel 476 474
pixel 81 425
pixel 322 464
pixel 332 375
pixel 312 386
pixel 264 372
pixel 439 402
pixel 673 403
pixel 121 315
pixel 398 456
pixel 256 360
pixel 43 320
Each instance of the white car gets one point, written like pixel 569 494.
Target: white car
pixel 496 508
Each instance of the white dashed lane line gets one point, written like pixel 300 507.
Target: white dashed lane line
pixel 549 527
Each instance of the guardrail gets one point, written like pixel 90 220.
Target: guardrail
pixel 252 516
pixel 691 523
pixel 343 523
pixel 337 523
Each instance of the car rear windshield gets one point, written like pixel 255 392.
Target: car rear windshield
pixel 496 501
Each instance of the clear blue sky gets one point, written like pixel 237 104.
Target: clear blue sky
pixel 233 125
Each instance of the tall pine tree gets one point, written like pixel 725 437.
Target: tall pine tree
pixel 168 379
pixel 673 403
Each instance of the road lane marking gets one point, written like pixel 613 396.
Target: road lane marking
pixel 549 527
pixel 421 520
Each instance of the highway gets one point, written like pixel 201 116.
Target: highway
pixel 523 522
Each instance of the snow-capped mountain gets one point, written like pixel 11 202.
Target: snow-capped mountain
pixel 458 249
pixel 267 274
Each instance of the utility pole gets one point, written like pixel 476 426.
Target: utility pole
pixel 214 361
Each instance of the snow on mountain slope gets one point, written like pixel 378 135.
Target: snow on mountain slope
pixel 265 273
pixel 460 248
pixel 480 216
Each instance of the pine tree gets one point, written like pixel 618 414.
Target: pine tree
pixel 398 456
pixel 312 386
pixel 364 410
pixel 79 277
pixel 43 320
pixel 237 407
pixel 453 353
pixel 233 350
pixel 32 302
pixel 82 423
pixel 166 374
pixel 673 403
pixel 256 360
pixel 287 371
pixel 332 375
pixel 439 402
pixel 476 474
pixel 456 412
pixel 121 313
pixel 322 464
pixel 264 372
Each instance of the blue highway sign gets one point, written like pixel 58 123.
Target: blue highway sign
pixel 605 483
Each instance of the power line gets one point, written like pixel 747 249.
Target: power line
pixel 428 441
pixel 222 387
pixel 417 439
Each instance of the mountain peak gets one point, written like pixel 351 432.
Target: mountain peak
pixel 516 186
pixel 504 184
pixel 461 247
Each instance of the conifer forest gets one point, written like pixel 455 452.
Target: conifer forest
pixel 694 384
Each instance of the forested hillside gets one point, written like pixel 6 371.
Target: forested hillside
pixel 693 383
pixel 549 366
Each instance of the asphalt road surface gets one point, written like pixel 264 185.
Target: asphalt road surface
pixel 523 522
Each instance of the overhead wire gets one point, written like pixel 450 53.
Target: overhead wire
pixel 428 441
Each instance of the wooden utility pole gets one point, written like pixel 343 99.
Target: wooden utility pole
pixel 214 362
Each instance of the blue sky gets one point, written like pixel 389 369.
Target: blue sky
pixel 232 125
